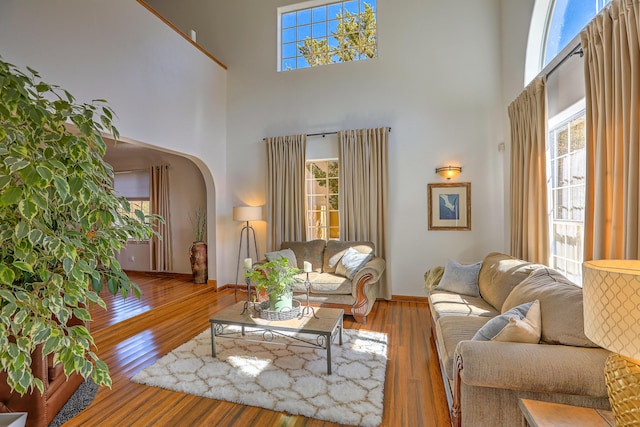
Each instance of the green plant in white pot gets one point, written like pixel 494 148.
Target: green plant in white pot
pixel 61 225
pixel 276 279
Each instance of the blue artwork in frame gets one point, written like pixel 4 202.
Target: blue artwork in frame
pixel 450 206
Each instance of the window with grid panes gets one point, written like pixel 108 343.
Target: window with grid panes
pixel 322 199
pixel 321 32
pixel 567 195
pixel 134 205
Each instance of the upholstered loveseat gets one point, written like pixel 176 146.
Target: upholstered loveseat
pixel 485 378
pixel 333 281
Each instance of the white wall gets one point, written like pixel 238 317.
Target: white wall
pixel 436 83
pixel 444 77
pixel 165 92
pixel 515 18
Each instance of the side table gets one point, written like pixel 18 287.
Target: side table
pixel 547 414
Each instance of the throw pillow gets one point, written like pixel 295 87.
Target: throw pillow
pixel 520 324
pixel 460 279
pixel 560 306
pixel 283 253
pixel 351 262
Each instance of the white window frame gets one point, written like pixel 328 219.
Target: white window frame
pixel 300 6
pixel 562 118
pixel 326 226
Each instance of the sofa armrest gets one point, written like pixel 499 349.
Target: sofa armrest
pixel 532 367
pixel 375 267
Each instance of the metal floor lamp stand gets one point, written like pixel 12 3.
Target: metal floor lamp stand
pixel 246 230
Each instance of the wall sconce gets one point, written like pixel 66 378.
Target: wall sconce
pixel 449 171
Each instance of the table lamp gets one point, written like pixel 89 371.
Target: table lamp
pixel 612 320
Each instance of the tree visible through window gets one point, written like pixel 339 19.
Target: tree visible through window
pixel 322 199
pixel 319 33
pixel 134 205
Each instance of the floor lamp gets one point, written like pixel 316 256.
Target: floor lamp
pixel 246 214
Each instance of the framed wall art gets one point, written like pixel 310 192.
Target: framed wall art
pixel 450 206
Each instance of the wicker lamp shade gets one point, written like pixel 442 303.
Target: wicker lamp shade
pixel 612 320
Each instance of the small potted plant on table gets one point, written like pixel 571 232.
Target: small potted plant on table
pixel 276 279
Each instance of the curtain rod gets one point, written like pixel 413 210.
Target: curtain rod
pixel 575 51
pixel 322 134
pixel 131 171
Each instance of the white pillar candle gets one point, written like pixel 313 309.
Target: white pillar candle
pixel 307 267
pixel 248 263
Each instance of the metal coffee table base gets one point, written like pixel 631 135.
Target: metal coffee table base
pixel 325 328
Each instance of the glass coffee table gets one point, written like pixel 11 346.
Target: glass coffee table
pixel 325 326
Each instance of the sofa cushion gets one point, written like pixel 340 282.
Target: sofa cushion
pixel 520 324
pixel 336 248
pixel 326 283
pixel 283 253
pixel 499 274
pixel 299 286
pixel 450 330
pixel 560 306
pixel 459 278
pixel 311 251
pixel 351 262
pixel 449 304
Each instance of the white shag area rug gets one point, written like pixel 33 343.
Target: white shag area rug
pixel 286 378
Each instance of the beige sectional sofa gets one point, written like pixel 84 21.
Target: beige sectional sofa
pixel 330 284
pixel 485 379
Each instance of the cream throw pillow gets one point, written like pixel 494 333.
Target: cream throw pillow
pixel 520 324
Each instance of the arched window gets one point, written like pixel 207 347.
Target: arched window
pixel 564 21
pixel 554 23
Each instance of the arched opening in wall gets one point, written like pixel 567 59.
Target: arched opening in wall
pixel 131 162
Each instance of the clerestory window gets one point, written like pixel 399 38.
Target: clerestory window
pixel 320 32
pixel 565 20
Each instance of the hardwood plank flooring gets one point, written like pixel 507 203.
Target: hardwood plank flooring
pixel 136 333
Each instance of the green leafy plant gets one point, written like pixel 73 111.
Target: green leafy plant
pixel 199 224
pixel 273 277
pixel 60 226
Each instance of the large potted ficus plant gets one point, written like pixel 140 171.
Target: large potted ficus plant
pixel 276 279
pixel 61 224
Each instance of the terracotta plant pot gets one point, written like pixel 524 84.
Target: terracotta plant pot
pixel 198 255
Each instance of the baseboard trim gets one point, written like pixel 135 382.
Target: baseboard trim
pixel 241 287
pixel 171 275
pixel 410 298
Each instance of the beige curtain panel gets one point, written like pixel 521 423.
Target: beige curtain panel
pixel 363 189
pixel 529 216
pixel 161 251
pixel 612 77
pixel 286 201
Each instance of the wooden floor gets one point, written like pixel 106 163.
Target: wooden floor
pixel 133 334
